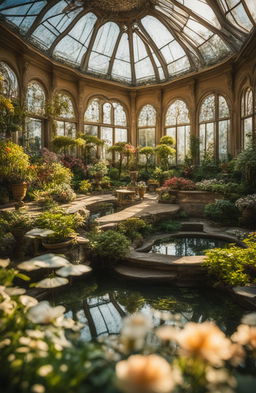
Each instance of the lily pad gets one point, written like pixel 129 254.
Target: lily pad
pixel 44 261
pixel 53 282
pixel 73 270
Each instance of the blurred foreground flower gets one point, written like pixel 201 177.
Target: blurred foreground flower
pixel 205 341
pixel 44 313
pixel 145 374
pixel 245 335
pixel 134 331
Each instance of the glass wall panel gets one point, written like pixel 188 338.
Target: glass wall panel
pixel 147 137
pixel 10 81
pixel 33 135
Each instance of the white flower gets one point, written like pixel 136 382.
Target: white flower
pixel 5 343
pixel 13 291
pixel 38 388
pixel 245 335
pixel 43 371
pixel 28 301
pixel 167 333
pixel 44 313
pixel 68 323
pixel 134 332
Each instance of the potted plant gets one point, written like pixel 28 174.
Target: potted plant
pixel 63 225
pixel 16 223
pixel 15 168
pixel 247 206
pixel 141 187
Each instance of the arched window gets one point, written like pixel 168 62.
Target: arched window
pixel 65 119
pixel 247 109
pixel 108 121
pixel 177 125
pixel 147 126
pixel 34 125
pixel 10 81
pixel 214 127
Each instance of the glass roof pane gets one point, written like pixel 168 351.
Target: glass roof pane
pixel 172 33
pixel 55 21
pixel 214 48
pixel 143 65
pixel 22 15
pixel 201 8
pixel 157 31
pixel 103 47
pixel 122 64
pixel 251 4
pixel 73 46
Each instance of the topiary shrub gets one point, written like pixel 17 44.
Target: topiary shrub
pixel 134 228
pixel 110 245
pixel 85 186
pixel 222 211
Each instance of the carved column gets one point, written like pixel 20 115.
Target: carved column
pixel 133 121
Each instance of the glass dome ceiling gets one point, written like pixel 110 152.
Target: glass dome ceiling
pixel 133 41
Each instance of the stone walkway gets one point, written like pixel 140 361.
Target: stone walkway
pixel 149 206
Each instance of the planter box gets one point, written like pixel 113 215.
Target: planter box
pixel 193 202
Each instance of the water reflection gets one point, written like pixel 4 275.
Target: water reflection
pixel 101 307
pixel 186 246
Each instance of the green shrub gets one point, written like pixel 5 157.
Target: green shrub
pixel 246 165
pixel 222 211
pixel 61 193
pixel 113 173
pixel 134 227
pixel 11 221
pixel 233 265
pixel 85 186
pixel 168 226
pixel 110 245
pixel 64 225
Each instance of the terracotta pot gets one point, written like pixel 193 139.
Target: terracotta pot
pixel 141 192
pixel 19 191
pixel 56 246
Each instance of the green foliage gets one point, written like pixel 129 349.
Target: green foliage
pixel 167 140
pixel 222 211
pixel 14 163
pixel 64 225
pixel 11 221
pixel 134 228
pixel 148 152
pixel 233 265
pixel 110 245
pixel 98 168
pixel 245 163
pixel 164 153
pixel 85 186
pixel 113 173
pixel 62 143
pixel 161 175
pixel 194 148
pixel 167 226
pixel 230 190
pixel 60 193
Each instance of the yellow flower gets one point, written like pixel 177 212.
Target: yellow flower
pixel 205 341
pixel 245 335
pixel 145 374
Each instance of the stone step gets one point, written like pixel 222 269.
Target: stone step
pixel 144 274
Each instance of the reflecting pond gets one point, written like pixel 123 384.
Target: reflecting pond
pixel 186 245
pixel 100 304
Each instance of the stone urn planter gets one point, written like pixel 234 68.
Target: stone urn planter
pixel 19 191
pixel 133 176
pixel 57 245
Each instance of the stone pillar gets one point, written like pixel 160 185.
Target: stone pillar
pixel 133 119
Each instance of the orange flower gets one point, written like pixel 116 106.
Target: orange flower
pixel 245 335
pixel 205 341
pixel 145 374
pixel 7 149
